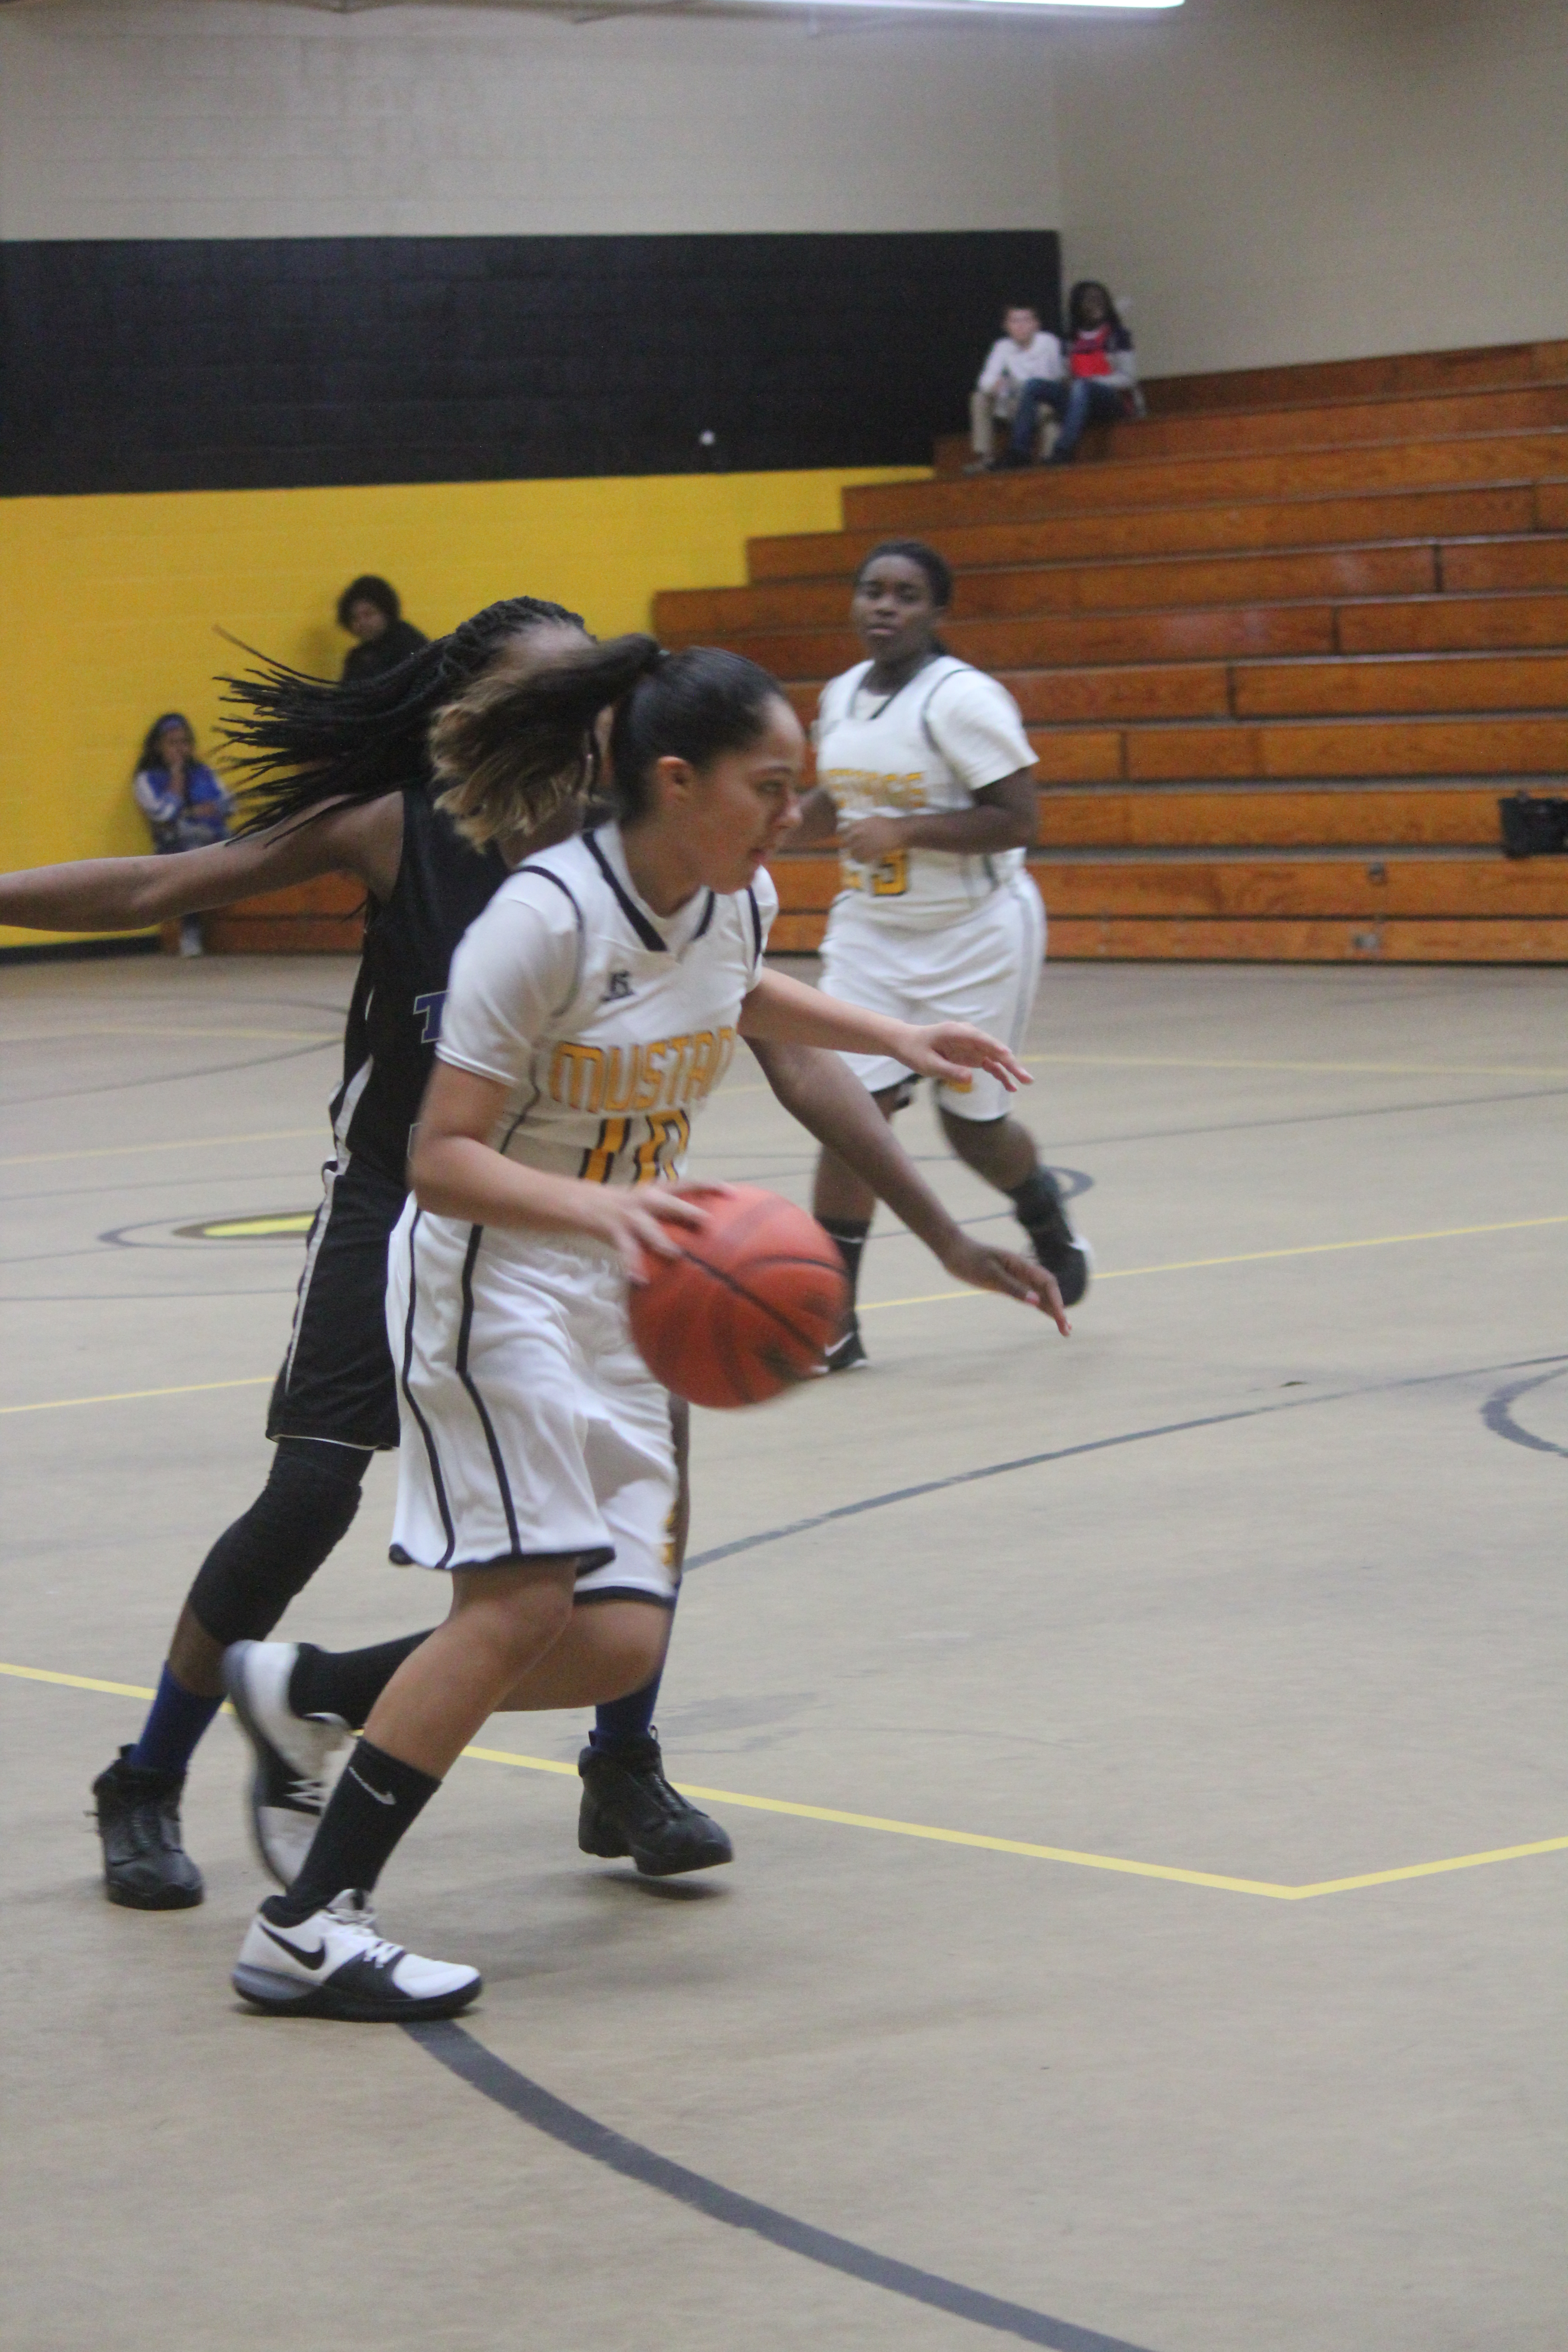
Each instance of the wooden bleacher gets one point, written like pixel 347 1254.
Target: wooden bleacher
pixel 1281 648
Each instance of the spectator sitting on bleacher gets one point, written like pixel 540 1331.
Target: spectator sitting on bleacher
pixel 1102 382
pixel 1024 353
pixel 370 610
pixel 184 803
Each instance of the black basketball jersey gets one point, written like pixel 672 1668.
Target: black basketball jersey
pixel 394 1017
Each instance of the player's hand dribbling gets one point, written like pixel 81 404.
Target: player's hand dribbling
pixel 636 1221
pixel 952 1049
pixel 868 839
pixel 984 1267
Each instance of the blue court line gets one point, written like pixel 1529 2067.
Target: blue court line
pixel 1491 1413
pixel 480 2067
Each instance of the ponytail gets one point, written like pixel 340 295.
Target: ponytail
pixel 515 746
pixel 296 742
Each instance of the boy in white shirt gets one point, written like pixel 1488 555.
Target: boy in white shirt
pixel 1024 353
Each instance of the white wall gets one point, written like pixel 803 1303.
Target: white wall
pixel 206 117
pixel 1278 180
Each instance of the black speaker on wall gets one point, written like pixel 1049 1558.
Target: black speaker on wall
pixel 172 365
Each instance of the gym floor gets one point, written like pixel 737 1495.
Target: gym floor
pixel 1143 1751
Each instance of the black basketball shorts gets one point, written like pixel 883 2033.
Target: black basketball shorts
pixel 337 1380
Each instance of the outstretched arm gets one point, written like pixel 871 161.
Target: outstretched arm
pixel 117 894
pixel 831 1104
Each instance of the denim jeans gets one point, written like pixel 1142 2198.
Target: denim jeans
pixel 1077 400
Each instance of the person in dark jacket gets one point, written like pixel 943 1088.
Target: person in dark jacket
pixel 369 610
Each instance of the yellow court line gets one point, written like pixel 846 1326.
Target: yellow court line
pixel 1280 1893
pixel 872 1306
pixel 1346 1069
pixel 1245 1258
pixel 127 1396
pixel 183 1143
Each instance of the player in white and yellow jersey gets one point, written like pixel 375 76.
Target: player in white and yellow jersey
pixel 923 766
pixel 592 1008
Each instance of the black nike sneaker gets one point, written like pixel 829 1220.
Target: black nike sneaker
pixel 334 1964
pixel 848 1353
pixel 145 1865
pixel 629 1808
pixel 1058 1248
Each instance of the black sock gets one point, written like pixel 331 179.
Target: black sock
pixel 347 1682
pixel 849 1234
pixel 375 1801
pixel 1038 1200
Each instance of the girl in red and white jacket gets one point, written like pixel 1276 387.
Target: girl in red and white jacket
pixel 1100 383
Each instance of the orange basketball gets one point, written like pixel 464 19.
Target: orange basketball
pixel 751 1305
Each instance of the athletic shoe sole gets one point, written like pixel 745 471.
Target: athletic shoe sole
pixel 282 1997
pixel 598 1835
pixel 167 1898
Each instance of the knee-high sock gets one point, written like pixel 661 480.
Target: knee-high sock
pixel 848 1234
pixel 378 1798
pixel 622 1722
pixel 347 1682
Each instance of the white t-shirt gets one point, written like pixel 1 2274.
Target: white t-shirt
pixel 942 738
pixel 608 1025
pixel 1043 358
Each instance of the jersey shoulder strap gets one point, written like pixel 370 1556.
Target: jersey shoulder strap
pixel 838 694
pixel 950 667
pixel 532 868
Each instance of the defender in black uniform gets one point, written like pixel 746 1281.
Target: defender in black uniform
pixel 345 788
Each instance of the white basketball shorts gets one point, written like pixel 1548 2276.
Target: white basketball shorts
pixel 532 1428
pixel 983 969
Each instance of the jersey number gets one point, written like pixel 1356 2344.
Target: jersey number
pixel 669 1132
pixel 890 879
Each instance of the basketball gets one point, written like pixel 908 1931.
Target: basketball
pixel 750 1306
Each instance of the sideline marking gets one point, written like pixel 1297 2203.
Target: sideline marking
pixel 462 2054
pixel 888 1828
pixel 873 1306
pixel 1243 1258
pixel 185 1143
pixel 126 1396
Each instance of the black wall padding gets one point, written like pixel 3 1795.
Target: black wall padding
pixel 176 364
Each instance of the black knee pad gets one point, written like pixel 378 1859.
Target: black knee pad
pixel 257 1566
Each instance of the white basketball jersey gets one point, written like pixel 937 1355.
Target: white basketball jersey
pixel 608 1025
pixel 941 739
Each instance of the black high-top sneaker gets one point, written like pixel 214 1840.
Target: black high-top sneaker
pixel 145 1865
pixel 1058 1249
pixel 629 1808
pixel 848 1353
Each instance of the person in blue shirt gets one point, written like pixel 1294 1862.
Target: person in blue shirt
pixel 184 803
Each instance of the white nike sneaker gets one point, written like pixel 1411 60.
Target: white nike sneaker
pixel 333 1964
pixel 290 1784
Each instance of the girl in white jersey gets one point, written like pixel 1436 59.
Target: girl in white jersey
pixel 923 765
pixel 593 1007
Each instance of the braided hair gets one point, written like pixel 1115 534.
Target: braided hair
pixel 296 742
pixel 517 745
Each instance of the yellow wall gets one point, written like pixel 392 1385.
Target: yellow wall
pixel 108 605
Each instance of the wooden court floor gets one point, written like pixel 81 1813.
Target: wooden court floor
pixel 1144 1752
